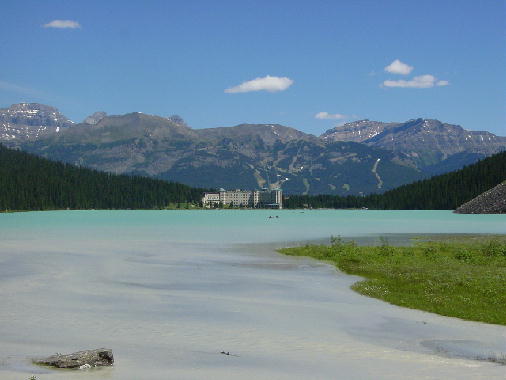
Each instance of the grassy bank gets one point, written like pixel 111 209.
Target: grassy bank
pixel 461 278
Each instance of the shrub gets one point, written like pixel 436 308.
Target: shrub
pixel 429 252
pixel 336 241
pixel 464 255
pixel 494 248
pixel 385 249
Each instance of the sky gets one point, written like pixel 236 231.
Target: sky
pixel 310 65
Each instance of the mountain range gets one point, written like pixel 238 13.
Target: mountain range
pixel 356 158
pixel 433 146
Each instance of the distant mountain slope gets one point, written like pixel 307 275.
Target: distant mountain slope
pixel 443 192
pixel 267 133
pixel 297 166
pixel 357 131
pixel 245 156
pixel 28 182
pixel 454 162
pixel 433 146
pixel 376 156
pixel 95 117
pixel 30 121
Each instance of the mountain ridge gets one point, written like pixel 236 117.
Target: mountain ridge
pixel 428 142
pixel 244 156
pixel 29 121
pixel 257 155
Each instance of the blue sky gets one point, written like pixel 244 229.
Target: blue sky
pixel 310 57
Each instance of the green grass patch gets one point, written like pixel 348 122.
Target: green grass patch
pixel 464 278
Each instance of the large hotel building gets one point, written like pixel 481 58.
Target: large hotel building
pixel 244 198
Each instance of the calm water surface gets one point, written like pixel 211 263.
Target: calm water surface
pixel 169 290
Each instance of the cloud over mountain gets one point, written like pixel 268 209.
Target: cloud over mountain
pixel 62 24
pixel 267 83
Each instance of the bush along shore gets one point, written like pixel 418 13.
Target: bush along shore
pixel 464 279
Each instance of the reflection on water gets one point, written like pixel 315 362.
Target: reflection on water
pixel 169 291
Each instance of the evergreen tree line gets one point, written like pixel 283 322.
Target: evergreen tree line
pixel 444 192
pixel 28 182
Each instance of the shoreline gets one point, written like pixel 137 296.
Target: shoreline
pixel 209 209
pixel 238 209
pixel 453 275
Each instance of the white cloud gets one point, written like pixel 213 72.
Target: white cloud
pixel 398 67
pixel 267 83
pixel 422 81
pixel 326 116
pixel 62 24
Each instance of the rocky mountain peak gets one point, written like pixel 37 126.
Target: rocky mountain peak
pixel 356 131
pixel 24 107
pixel 34 114
pixel 176 119
pixel 95 117
pixel 426 124
pixel 426 141
pixel 269 134
pixel 127 127
pixel 28 121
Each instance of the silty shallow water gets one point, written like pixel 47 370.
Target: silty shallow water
pixel 169 290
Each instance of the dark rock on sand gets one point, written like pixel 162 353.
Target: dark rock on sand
pixel 492 201
pixel 85 359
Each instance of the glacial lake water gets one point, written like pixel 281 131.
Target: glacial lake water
pixel 169 290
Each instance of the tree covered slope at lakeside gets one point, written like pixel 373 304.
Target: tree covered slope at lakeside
pixel 443 192
pixel 28 182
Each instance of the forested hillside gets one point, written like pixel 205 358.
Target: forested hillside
pixel 443 192
pixel 28 182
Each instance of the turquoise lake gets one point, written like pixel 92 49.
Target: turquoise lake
pixel 167 291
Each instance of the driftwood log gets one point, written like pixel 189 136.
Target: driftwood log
pixel 82 359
